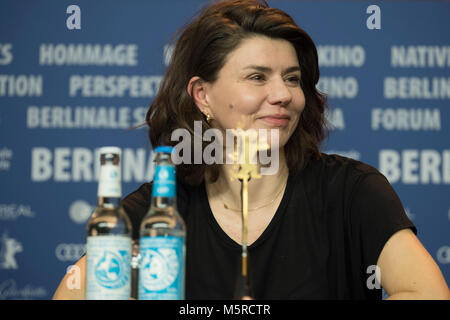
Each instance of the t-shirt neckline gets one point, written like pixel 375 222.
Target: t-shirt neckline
pixel 266 233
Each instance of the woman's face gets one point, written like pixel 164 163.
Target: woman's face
pixel 258 88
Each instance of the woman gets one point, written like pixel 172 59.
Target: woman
pixel 322 224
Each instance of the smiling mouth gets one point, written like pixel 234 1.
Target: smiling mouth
pixel 276 120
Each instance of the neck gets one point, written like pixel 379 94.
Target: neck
pixel 260 191
pixel 109 202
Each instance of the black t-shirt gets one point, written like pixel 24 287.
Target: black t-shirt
pixel 332 223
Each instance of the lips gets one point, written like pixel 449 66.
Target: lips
pixel 277 120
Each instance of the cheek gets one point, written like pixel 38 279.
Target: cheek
pixel 297 110
pixel 300 102
pixel 238 111
pixel 235 102
pixel 245 104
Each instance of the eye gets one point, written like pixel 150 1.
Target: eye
pixel 257 77
pixel 294 79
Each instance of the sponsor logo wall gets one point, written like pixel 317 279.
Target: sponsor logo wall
pixel 71 83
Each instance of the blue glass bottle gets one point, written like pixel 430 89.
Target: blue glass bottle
pixel 162 237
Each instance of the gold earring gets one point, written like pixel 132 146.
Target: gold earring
pixel 208 118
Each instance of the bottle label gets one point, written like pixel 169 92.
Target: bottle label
pixel 161 273
pixel 164 182
pixel 109 181
pixel 108 268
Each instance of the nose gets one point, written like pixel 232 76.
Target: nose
pixel 279 93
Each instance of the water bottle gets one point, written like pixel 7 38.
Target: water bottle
pixel 109 232
pixel 162 237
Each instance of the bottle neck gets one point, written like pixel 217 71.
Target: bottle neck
pixel 164 187
pixel 163 202
pixel 109 184
pixel 109 202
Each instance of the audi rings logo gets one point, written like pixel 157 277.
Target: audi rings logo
pixel 443 254
pixel 70 251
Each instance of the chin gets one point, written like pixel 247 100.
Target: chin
pixel 277 144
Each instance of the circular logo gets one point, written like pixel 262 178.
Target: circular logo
pixel 80 211
pixel 163 174
pixel 443 255
pixel 111 270
pixel 159 269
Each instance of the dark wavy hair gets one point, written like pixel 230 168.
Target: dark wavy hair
pixel 201 50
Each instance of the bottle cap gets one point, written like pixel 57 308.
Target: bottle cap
pixel 164 149
pixel 113 150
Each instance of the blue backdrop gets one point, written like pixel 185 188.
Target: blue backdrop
pixel 69 86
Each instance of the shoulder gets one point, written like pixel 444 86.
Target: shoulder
pixel 137 203
pixel 363 192
pixel 139 198
pixel 333 169
pixel 336 164
pixel 334 180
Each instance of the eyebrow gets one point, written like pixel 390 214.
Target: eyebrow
pixel 269 70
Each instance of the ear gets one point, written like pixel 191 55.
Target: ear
pixel 197 89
